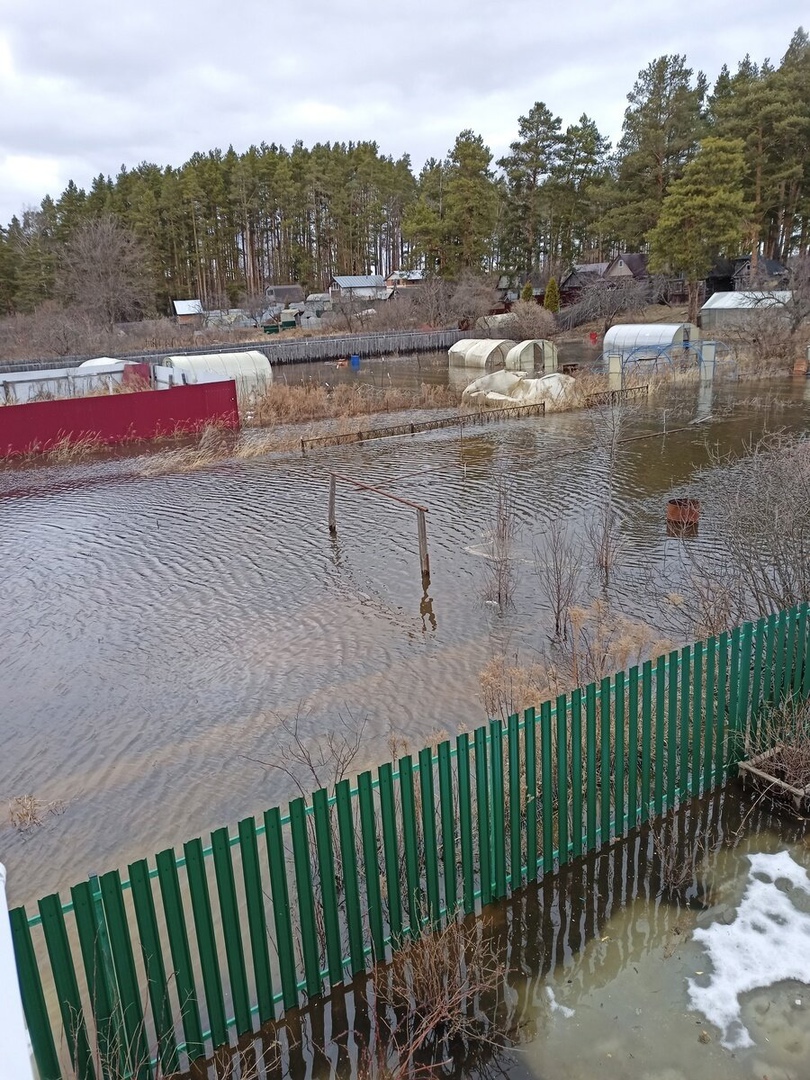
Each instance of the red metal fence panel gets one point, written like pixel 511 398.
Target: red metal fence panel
pixel 115 418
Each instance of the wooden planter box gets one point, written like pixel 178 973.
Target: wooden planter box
pixel 757 772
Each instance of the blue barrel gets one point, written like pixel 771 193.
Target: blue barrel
pixel 355 361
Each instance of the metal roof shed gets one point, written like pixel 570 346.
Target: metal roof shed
pixel 647 340
pixel 727 309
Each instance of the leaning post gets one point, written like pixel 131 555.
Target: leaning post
pixel 332 519
pixel 421 528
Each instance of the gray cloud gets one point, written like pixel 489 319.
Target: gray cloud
pixel 87 87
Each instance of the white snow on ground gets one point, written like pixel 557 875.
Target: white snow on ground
pixel 556 1006
pixel 768 941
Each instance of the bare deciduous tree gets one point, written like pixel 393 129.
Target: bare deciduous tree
pixel 605 301
pixel 105 272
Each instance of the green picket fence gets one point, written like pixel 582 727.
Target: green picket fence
pixel 193 951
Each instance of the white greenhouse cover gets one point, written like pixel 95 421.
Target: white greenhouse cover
pixel 500 389
pixel 521 357
pixel 249 367
pixel 478 352
pixel 628 336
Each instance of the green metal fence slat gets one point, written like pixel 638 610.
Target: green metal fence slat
pixel 166 862
pixel 257 920
pixel 561 717
pixel 498 834
pixel 277 863
pixel 697 719
pixel 431 844
pixel 530 745
pixel 799 648
pixel 328 888
pixel 660 732
pixel 231 929
pixel 371 865
pixel 513 785
pixel 465 821
pixel 789 661
pixel 605 726
pixel 590 765
pixel 547 787
pixel 768 689
pixel 206 941
pixel 744 691
pixel 152 952
pixel 482 805
pixel 100 977
pixel 672 727
pixel 308 930
pixel 115 916
pixel 779 656
pixel 448 826
pixel 33 997
pixel 720 718
pixel 684 713
pixel 67 987
pixel 576 772
pixel 632 747
pixel 413 886
pixel 760 631
pixel 385 774
pixel 351 885
pixel 646 737
pixel 619 773
pixel 708 728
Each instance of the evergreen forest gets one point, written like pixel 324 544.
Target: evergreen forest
pixel 730 162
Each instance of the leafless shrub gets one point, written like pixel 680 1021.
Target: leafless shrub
pixel 442 992
pixel 500 570
pixel 530 320
pixel 557 561
pixel 510 684
pixel 677 857
pixel 785 729
pixel 319 760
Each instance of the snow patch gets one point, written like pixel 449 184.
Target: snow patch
pixel 556 1006
pixel 769 941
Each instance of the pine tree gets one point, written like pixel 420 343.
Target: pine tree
pixel 527 292
pixel 551 301
pixel 703 216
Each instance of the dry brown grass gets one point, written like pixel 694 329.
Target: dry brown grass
pixel 283 404
pixel 27 812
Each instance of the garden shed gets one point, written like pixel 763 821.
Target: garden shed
pixel 725 310
pixel 536 354
pixel 645 341
pixel 479 352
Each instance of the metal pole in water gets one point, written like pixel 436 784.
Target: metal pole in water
pixel 332 520
pixel 421 528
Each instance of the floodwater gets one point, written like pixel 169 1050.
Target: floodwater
pixel 158 630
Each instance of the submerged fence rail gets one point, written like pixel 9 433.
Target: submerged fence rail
pixel 192 951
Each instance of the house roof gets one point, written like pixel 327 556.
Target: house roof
pixel 406 275
pixel 591 268
pixel 290 293
pixel 766 266
pixel 635 261
pixel 187 307
pixel 359 281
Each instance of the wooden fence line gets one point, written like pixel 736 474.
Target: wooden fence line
pixel 196 949
pixel 393 430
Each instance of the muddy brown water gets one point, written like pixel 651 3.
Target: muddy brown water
pixel 157 629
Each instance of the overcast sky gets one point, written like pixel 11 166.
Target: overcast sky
pixel 90 85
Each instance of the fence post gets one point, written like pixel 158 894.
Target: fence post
pixel 15 1045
